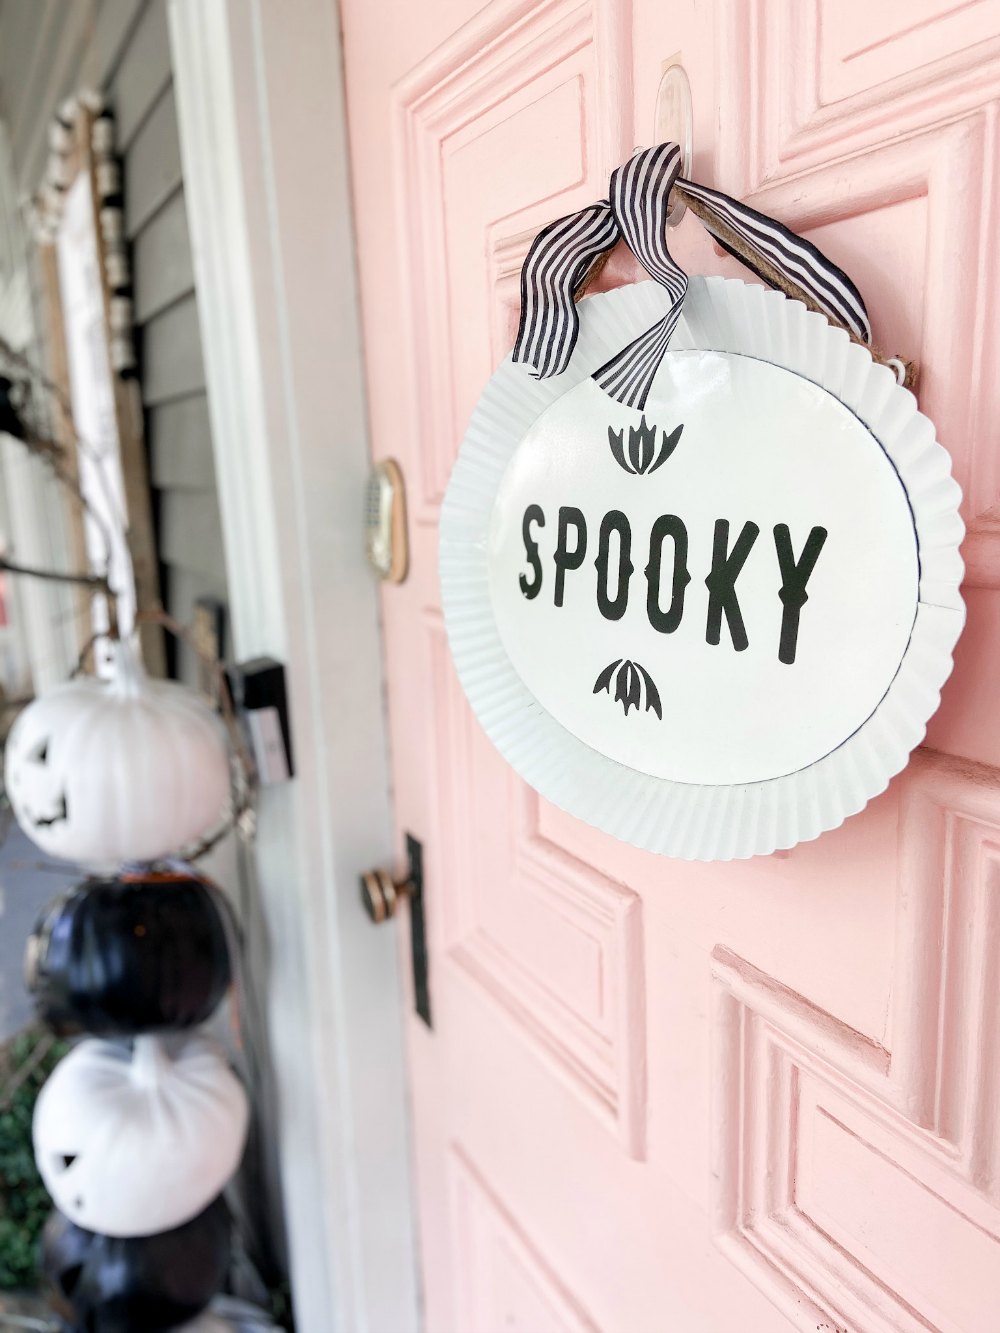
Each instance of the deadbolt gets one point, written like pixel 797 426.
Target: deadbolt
pixel 385 522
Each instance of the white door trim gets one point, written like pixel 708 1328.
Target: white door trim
pixel 264 144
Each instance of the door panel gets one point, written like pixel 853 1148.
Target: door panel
pixel 661 1095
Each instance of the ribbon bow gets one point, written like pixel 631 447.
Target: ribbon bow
pixel 636 212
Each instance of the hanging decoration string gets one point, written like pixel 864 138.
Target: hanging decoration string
pixel 564 253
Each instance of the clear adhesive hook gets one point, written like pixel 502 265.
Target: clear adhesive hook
pixel 675 121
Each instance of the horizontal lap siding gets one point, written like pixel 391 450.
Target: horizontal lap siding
pixel 152 164
pixel 142 75
pixel 180 445
pixel 172 364
pixel 162 260
pixel 113 27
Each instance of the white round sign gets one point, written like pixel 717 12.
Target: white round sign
pixel 718 626
pixel 743 550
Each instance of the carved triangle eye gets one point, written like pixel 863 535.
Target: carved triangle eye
pixel 40 754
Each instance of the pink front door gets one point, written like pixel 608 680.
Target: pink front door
pixel 663 1096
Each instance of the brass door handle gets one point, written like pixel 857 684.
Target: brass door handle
pixel 381 894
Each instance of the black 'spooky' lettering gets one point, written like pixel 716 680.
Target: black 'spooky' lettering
pixel 533 586
pixel 795 574
pixel 613 608
pixel 721 583
pixel 667 525
pixel 564 557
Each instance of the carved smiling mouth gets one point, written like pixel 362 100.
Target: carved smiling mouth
pixel 60 816
pixel 40 755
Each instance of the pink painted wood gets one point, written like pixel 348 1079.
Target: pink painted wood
pixel 758 1096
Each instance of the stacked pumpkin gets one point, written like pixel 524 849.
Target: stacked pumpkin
pixel 140 1128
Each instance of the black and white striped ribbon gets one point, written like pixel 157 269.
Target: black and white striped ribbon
pixel 636 212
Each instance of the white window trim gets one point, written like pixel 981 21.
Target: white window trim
pixel 264 144
pixel 44 636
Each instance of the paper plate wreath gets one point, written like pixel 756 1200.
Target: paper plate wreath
pixel 699 551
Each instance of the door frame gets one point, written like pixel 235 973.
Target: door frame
pixel 265 156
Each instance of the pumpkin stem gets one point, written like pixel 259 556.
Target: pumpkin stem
pixel 129 679
pixel 150 1061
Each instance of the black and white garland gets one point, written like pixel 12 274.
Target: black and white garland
pixel 140 1128
pixel 89 108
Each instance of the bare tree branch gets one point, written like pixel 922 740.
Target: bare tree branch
pixel 96 581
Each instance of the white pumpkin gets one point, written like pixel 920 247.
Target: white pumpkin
pixel 132 1143
pixel 131 769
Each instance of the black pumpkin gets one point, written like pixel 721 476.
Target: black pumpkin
pixel 107 1284
pixel 123 956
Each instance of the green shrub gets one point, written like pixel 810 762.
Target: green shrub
pixel 25 1063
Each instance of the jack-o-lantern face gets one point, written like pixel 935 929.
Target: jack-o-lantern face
pixel 114 1285
pixel 33 783
pixel 104 773
pixel 130 1143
